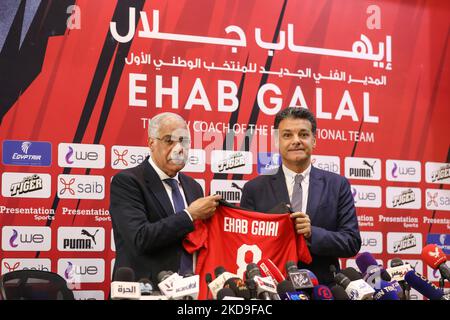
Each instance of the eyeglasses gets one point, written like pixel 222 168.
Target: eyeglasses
pixel 171 140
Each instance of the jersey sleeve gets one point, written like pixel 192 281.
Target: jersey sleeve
pixel 196 239
pixel 303 253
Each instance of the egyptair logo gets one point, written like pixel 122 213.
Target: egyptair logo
pixel 25 146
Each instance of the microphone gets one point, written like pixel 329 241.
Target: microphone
pixel 219 281
pixel 436 259
pixel 239 288
pixel 356 289
pixel 218 271
pixel 286 291
pixel 387 291
pixel 339 293
pixel 397 272
pixel 322 292
pixel 300 279
pixel 166 280
pixel 373 273
pixel 123 287
pixel 269 269
pixel 186 288
pixel 227 294
pixel 208 278
pixel 265 287
pixel 145 286
pixel 425 287
pixel 312 276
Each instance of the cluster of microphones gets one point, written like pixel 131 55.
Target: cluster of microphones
pixel 264 281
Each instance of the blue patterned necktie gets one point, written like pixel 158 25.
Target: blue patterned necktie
pixel 186 265
pixel 297 194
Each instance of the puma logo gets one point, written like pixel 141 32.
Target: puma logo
pixel 86 233
pixel 370 166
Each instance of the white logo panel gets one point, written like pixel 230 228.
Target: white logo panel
pixel 437 172
pixel 196 161
pixel 366 196
pixel 26 185
pixel 71 186
pixel 81 239
pixel 123 157
pixel 327 163
pixel 78 155
pixel 82 270
pixel 230 190
pixel 371 242
pixel 363 168
pixel 18 238
pixel 240 162
pixel 404 243
pixel 437 199
pixel 403 198
pixel 401 170
pixel 10 264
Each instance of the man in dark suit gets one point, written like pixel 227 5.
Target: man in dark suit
pixel 153 205
pixel 322 201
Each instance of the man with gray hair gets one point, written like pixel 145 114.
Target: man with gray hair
pixel 153 205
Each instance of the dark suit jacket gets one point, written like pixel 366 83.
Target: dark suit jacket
pixel 334 225
pixel 147 233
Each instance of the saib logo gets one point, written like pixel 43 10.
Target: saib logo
pixel 81 187
pixel 437 199
pixel 27 153
pixel 268 163
pixel 123 157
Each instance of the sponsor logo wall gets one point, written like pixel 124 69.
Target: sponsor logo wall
pixel 59 155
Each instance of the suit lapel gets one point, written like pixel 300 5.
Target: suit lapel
pixel 279 187
pixel 154 183
pixel 315 192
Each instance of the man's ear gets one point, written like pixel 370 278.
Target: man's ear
pixel 150 142
pixel 314 142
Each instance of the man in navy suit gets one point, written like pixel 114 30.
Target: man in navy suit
pixel 322 201
pixel 153 205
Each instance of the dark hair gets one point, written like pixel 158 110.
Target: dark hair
pixel 296 113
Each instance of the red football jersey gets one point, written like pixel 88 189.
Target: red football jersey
pixel 235 237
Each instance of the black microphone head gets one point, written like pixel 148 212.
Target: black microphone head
pixel 333 269
pixel 284 287
pixel 253 270
pixel 163 275
pixel 239 288
pixel 339 293
pixel 208 278
pixel 124 274
pixel 218 271
pixel 342 280
pixel 351 273
pixel 225 292
pixel 395 262
pixel 291 266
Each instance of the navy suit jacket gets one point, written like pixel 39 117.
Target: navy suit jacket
pixel 334 225
pixel 147 233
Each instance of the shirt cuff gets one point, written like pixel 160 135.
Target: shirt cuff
pixel 189 215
